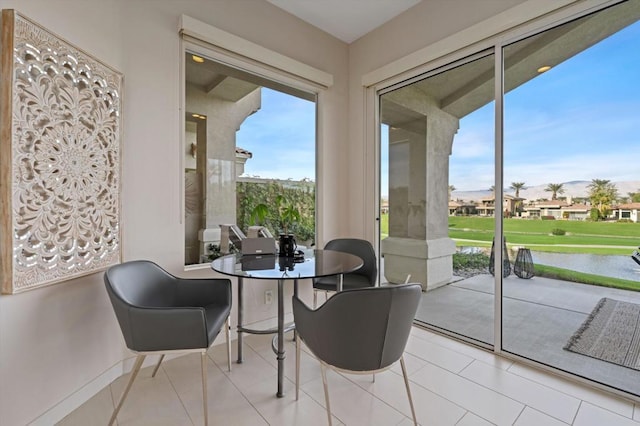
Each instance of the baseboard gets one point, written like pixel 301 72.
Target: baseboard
pixel 79 397
pixel 88 391
pixel 59 411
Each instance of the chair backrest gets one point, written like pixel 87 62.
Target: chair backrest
pixel 141 283
pixel 361 248
pixel 362 329
pixel 137 284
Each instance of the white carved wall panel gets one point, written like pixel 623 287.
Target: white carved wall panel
pixel 60 133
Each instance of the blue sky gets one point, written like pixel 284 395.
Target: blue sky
pixel 578 121
pixel 281 137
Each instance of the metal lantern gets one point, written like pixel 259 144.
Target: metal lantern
pixel 506 266
pixel 523 267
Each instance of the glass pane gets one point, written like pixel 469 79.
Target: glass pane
pixel 438 169
pixel 249 159
pixel 571 151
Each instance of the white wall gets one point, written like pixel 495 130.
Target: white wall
pixel 56 340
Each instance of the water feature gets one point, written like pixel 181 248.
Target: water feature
pixel 610 266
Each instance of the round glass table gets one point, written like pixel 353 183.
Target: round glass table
pixel 311 264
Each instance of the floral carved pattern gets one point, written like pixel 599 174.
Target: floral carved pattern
pixel 66 160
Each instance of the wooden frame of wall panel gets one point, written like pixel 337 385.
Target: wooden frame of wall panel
pixel 60 158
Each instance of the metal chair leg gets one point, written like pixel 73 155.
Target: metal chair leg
pixel 155 370
pixel 228 327
pixel 323 370
pixel 134 373
pixel 406 383
pixel 297 367
pixel 203 363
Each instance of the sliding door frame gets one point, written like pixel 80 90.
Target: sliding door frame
pixel 386 79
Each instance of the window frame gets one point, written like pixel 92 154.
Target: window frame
pixel 236 52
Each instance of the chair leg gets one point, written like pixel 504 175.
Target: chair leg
pixel 323 370
pixel 297 367
pixel 406 383
pixel 228 327
pixel 155 370
pixel 134 373
pixel 203 363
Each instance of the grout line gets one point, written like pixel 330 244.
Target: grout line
pixel 178 394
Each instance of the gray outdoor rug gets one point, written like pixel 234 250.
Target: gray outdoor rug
pixel 610 333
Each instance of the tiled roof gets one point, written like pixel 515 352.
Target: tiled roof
pixel 628 206
pixel 244 152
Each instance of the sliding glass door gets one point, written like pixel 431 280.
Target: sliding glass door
pixel 551 265
pixel 572 168
pixel 437 147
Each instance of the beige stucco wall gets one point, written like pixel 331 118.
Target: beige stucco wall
pixel 56 340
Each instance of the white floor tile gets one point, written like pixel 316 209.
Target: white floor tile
pixel 226 404
pixel 557 404
pixel 478 399
pixel 531 417
pixel 430 408
pixel 438 355
pixel 468 349
pixel 287 411
pixel 590 415
pixel 412 362
pixel 471 419
pixel 150 401
pixel 351 404
pixel 452 383
pixel 96 411
pixel 594 396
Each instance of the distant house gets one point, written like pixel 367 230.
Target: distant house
pixel 487 206
pixel 627 211
pixel 558 209
pixel 462 208
pixel 576 212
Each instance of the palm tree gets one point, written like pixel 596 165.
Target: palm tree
pixel 451 189
pixel 555 189
pixel 517 186
pixel 603 194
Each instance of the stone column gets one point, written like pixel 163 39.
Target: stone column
pixel 420 141
pixel 225 111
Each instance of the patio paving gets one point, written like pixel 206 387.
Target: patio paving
pixel 539 317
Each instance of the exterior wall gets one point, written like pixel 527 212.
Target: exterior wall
pixel 61 344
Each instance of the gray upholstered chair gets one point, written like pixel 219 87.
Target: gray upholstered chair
pixel 364 277
pixel 358 331
pixel 160 313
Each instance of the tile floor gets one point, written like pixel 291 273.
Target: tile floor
pixel 452 384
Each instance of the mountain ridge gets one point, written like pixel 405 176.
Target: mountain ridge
pixel 575 188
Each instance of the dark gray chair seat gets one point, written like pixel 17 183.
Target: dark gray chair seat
pixel 358 331
pixel 158 313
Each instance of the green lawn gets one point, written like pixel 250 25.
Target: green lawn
pixel 580 237
pixel 604 238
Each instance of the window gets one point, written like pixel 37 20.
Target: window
pixel 249 141
pixel 561 147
